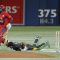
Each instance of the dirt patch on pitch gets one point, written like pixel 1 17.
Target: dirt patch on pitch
pixel 23 55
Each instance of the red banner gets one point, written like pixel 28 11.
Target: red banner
pixel 15 8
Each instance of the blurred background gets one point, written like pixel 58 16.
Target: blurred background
pixel 33 18
pixel 28 18
pixel 33 12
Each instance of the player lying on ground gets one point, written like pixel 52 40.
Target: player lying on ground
pixel 5 20
pixel 23 46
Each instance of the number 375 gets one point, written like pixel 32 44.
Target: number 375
pixel 47 12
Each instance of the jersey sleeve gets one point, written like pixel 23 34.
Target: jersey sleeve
pixel 7 19
pixel 8 15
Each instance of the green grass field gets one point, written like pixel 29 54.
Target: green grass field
pixel 35 28
pixel 27 34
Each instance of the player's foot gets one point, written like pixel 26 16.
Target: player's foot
pixel 47 43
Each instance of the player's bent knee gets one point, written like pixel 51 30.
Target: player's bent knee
pixel 2 40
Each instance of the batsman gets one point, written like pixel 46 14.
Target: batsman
pixel 5 23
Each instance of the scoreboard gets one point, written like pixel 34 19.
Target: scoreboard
pixel 41 12
pixel 33 12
